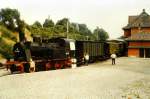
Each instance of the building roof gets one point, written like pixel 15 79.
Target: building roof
pixel 142 20
pixel 115 40
pixel 139 37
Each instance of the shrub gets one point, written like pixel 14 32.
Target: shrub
pixel 7 33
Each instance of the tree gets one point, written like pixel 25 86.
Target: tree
pixel 37 24
pixel 61 27
pixel 100 34
pixel 63 22
pixel 1 23
pixel 10 18
pixel 75 27
pixel 83 29
pixel 48 23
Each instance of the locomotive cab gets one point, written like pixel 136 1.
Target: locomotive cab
pixel 64 49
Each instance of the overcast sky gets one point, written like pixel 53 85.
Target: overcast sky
pixel 111 15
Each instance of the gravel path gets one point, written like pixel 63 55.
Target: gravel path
pixel 128 79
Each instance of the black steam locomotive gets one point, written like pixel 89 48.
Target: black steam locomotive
pixel 58 53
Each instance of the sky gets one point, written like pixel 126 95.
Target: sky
pixel 111 15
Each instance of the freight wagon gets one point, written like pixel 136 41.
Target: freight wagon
pixel 95 50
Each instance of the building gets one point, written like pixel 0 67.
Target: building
pixel 137 34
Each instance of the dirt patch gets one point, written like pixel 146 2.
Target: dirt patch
pixel 137 90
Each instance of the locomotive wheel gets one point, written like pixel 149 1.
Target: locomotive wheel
pixel 32 69
pixel 47 66
pixel 21 68
pixel 12 68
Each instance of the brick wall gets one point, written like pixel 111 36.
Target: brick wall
pixel 139 43
pixel 127 33
pixel 137 30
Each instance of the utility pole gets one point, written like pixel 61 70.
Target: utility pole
pixel 97 33
pixel 48 17
pixel 67 28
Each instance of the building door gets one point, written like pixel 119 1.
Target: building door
pixel 147 52
pixel 141 52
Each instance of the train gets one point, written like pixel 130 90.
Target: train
pixel 60 53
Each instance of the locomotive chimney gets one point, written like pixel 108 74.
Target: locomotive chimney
pixel 21 30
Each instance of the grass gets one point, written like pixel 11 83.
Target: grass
pixel 7 40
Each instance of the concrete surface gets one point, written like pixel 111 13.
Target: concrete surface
pixel 128 79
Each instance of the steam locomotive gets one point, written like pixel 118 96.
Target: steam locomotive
pixel 58 53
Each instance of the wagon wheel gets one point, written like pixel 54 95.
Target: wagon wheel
pixel 58 66
pixel 63 67
pixel 48 66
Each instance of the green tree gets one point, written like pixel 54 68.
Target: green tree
pixel 37 24
pixel 60 28
pixel 1 23
pixel 100 34
pixel 75 27
pixel 83 29
pixel 48 23
pixel 63 22
pixel 10 18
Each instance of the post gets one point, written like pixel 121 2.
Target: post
pixel 67 29
pixel 144 53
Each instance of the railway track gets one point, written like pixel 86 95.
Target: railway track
pixel 3 67
pixel 3 71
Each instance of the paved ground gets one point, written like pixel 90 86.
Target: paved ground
pixel 128 79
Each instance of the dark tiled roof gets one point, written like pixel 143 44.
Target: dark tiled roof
pixel 142 20
pixel 139 37
pixel 132 18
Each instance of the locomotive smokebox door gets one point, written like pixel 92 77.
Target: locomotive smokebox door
pixel 72 46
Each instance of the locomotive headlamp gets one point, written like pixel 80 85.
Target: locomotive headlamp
pixel 67 53
pixel 17 50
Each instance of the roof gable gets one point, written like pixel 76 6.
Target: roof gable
pixel 142 20
pixel 131 19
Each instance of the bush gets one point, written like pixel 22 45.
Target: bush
pixel 7 33
pixel 5 49
pixel 5 54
